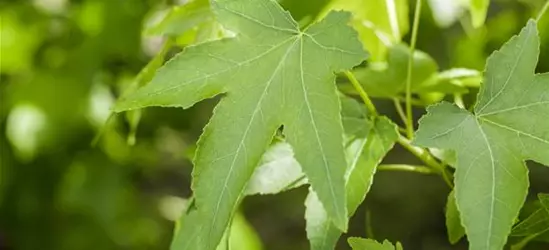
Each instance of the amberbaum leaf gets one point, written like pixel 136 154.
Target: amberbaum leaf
pixel 453 220
pixel 368 244
pixel 478 9
pixel 379 23
pixel 277 170
pixel 182 18
pixel 363 155
pixel 537 223
pixel 390 81
pixel 272 74
pixel 509 125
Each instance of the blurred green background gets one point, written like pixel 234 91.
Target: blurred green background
pixel 64 62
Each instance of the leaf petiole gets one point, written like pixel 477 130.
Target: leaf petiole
pixel 543 10
pixel 407 168
pixel 365 98
pixel 409 114
pixel 426 158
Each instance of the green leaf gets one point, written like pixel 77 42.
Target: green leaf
pixel 368 244
pixel 190 23
pixel 182 18
pixel 453 220
pixel 363 156
pixel 451 81
pixel 354 117
pixel 537 223
pixel 492 143
pixel 390 80
pixel 277 170
pixel 379 23
pixel 144 77
pixel 272 74
pixel 478 9
pixel 241 236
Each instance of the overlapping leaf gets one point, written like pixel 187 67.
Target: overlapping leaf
pixel 380 24
pixel 537 223
pixel 509 125
pixel 363 155
pixel 389 81
pixel 453 220
pixel 277 171
pixel 368 244
pixel 272 74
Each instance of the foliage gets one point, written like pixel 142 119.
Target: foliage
pixel 296 152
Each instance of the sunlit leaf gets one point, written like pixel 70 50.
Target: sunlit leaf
pixel 368 244
pixel 380 23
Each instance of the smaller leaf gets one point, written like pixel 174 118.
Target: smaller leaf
pixel 145 76
pixel 277 170
pixel 468 77
pixel 190 23
pixel 241 236
pixel 453 220
pixel 537 223
pixel 363 157
pixel 182 18
pixel 447 156
pixel 478 9
pixel 451 81
pixel 380 24
pixel 354 117
pixel 369 244
pixel 390 80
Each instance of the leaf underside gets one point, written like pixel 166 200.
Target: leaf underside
pixel 272 74
pixel 509 125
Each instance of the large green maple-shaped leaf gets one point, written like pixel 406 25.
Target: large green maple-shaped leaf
pixel 272 74
pixel 509 125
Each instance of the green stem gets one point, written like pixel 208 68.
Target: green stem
pixel 521 244
pixel 414 101
pixel 367 101
pixel 293 183
pixel 410 122
pixel 399 110
pixel 102 130
pixel 543 10
pixel 426 158
pixel 369 228
pixel 406 168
